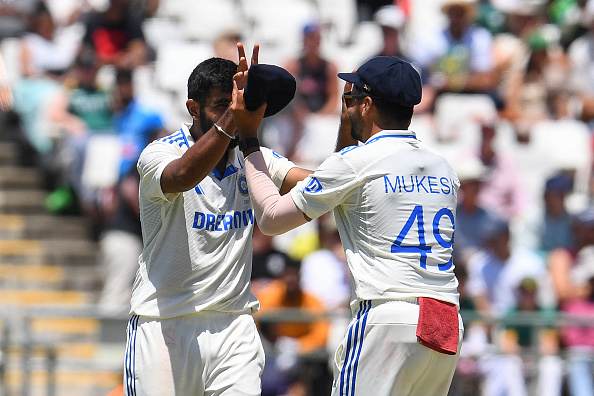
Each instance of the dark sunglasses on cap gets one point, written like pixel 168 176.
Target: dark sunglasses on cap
pixel 349 96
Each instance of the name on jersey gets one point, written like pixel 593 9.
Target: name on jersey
pixel 223 222
pixel 419 184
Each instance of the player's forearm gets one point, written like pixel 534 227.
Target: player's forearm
pixel 196 163
pixel 275 214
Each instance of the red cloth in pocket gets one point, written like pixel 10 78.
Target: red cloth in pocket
pixel 438 327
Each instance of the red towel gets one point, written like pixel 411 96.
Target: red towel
pixel 438 326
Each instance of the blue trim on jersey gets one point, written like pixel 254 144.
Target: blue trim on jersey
pixel 353 353
pixel 199 190
pixel 374 139
pixel 179 138
pixel 130 360
pixel 277 155
pixel 230 170
pixel 347 149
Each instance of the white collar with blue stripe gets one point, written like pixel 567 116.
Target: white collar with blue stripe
pixel 233 161
pixel 392 133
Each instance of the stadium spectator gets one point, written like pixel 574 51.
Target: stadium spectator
pixel 41 53
pixel 502 190
pixel 458 58
pixel 268 262
pixel 469 214
pixel 572 272
pixel 116 35
pixel 292 341
pixel 581 104
pixel 317 88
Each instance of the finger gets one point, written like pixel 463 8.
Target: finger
pixel 242 64
pixel 255 54
pixel 348 86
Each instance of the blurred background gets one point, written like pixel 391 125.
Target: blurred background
pixel 508 99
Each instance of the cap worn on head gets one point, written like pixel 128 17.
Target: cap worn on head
pixel 493 227
pixel 389 78
pixel 269 84
pixel 390 16
pixel 559 183
pixel 470 169
pixel 468 4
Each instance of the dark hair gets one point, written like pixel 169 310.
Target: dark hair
pixel 393 111
pixel 211 73
pixel 390 111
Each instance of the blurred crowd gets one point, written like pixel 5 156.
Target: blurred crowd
pixel 508 98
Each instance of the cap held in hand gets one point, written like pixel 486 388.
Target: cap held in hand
pixel 389 78
pixel 269 84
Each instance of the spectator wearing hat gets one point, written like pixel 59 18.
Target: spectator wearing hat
pixel 555 231
pixel 458 58
pixel 470 215
pixel 392 20
pixel 580 104
pixel 572 272
pixel 405 332
pixel 496 271
pixel 317 88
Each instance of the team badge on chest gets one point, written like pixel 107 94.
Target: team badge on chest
pixel 242 185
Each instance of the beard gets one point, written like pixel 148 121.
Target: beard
pixel 206 124
pixel 355 129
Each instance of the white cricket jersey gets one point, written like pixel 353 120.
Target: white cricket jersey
pixel 197 251
pixel 395 202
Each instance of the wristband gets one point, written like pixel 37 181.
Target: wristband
pixel 218 128
pixel 248 142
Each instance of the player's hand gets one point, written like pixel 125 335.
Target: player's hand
pixel 247 122
pixel 348 86
pixel 242 66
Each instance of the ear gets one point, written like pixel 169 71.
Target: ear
pixel 366 107
pixel 193 108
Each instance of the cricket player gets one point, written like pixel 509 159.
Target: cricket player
pixel 191 330
pixel 394 200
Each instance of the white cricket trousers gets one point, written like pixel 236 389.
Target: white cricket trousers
pixel 207 353
pixel 380 355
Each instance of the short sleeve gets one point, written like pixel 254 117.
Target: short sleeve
pixel 328 187
pixel 153 160
pixel 278 166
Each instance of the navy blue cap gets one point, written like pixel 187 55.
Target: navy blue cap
pixel 492 227
pixel 269 84
pixel 389 78
pixel 559 183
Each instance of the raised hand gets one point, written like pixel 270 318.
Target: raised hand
pixel 242 67
pixel 247 122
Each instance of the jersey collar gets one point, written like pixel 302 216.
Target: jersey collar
pixel 233 161
pixel 392 133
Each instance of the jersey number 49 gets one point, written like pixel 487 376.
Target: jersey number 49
pixel 422 248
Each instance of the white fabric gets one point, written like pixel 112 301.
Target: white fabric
pixel 191 355
pixel 380 352
pixel 391 253
pixel 197 244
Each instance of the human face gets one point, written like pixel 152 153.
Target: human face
pixel 214 107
